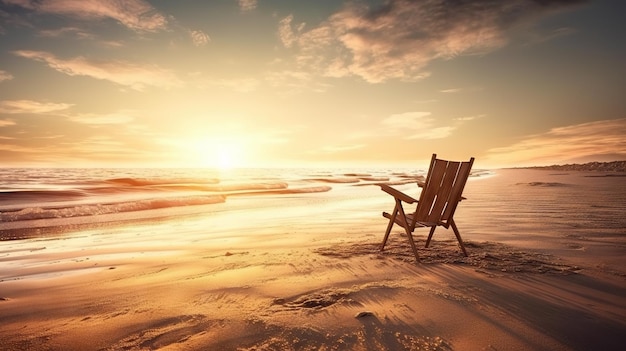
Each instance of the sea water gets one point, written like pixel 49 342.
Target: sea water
pixel 38 200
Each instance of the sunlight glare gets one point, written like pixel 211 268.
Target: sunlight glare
pixel 226 157
pixel 219 153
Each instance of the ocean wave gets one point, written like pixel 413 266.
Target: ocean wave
pixel 335 180
pixel 26 195
pixel 209 185
pixel 285 191
pixel 72 209
pixel 69 211
pixel 160 181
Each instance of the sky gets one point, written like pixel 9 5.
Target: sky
pixel 276 83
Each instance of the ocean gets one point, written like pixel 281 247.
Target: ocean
pixel 52 201
pixel 36 201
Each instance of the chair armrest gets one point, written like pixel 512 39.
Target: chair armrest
pixel 397 194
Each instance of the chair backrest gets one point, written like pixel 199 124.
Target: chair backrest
pixel 442 191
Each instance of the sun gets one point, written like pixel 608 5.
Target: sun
pixel 222 153
pixel 226 158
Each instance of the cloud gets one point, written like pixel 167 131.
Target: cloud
pixel 17 148
pixel 400 38
pixel 123 73
pixel 285 32
pixel 537 38
pixel 469 118
pixel 35 107
pixel 408 120
pixel 137 15
pixel 6 122
pixel 416 125
pixel 587 141
pixel 247 5
pixel 429 133
pixel 4 75
pixel 53 33
pixel 333 149
pixel 121 117
pixel 199 38
pixel 30 106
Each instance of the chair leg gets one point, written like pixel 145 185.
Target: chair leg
pixel 409 234
pixel 412 242
pixel 392 220
pixel 430 235
pixel 458 236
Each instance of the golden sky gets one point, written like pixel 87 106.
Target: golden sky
pixel 268 83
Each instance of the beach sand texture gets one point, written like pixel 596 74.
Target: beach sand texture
pixel 546 271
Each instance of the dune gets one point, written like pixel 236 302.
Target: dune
pixel 545 271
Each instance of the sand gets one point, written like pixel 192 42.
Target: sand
pixel 303 272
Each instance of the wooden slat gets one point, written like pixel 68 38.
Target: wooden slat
pixel 443 193
pixel 429 193
pixel 430 171
pixel 457 189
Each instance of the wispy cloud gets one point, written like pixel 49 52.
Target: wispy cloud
pixel 537 38
pixel 287 33
pixel 30 106
pixel 18 148
pixel 4 75
pixel 6 122
pixel 123 73
pixel 137 15
pixel 595 140
pixel 199 38
pixel 416 125
pixel 408 120
pixel 77 32
pixel 398 39
pixel 120 117
pixel 429 133
pixel 469 118
pixel 334 149
pixel 247 5
pixel 37 107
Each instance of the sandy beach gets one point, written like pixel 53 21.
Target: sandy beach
pixel 546 271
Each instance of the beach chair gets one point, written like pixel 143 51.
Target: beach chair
pixel 441 193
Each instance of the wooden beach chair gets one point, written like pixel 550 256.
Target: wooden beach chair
pixel 441 193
